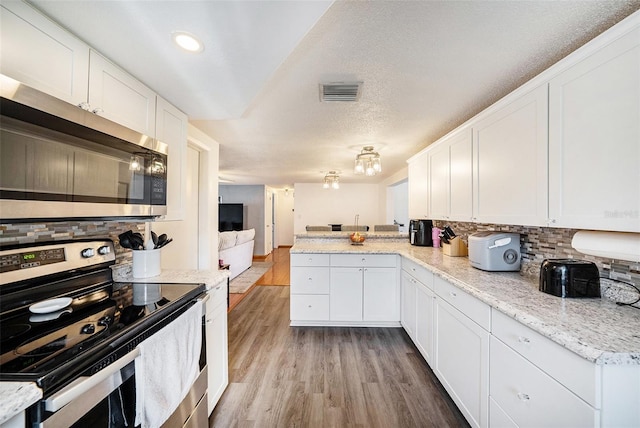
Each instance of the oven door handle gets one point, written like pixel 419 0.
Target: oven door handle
pixel 85 383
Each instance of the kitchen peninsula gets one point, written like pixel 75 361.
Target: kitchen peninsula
pixel 504 351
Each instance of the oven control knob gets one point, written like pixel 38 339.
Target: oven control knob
pixel 104 321
pixel 104 250
pixel 88 252
pixel 88 329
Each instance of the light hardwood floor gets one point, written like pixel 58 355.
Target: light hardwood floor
pixel 277 275
pixel 282 376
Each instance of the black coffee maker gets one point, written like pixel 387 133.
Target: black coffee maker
pixel 420 232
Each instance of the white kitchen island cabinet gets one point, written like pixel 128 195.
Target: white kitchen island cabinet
pixel 349 290
pixel 594 139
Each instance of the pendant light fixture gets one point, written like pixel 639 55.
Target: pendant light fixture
pixel 368 162
pixel 331 180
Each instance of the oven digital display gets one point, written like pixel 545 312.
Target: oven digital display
pixel 31 259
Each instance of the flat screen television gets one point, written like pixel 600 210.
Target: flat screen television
pixel 230 217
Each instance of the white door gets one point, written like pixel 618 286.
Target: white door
pixel 381 300
pixel 345 301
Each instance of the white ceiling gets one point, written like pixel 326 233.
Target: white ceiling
pixel 427 66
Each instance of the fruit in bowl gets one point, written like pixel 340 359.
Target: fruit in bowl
pixel 356 238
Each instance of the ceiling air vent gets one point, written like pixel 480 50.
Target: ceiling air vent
pixel 340 91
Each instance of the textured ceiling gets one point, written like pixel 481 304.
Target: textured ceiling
pixel 427 66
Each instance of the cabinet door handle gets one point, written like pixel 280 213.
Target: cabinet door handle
pixel 97 110
pixel 523 397
pixel 523 339
pixel 84 106
pixel 309 306
pixel 453 294
pixel 310 279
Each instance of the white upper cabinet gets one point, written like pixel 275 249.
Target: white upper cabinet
pixel 594 140
pixel 119 97
pixel 171 129
pixel 510 162
pixel 438 182
pixel 39 53
pixel 450 182
pixel 418 176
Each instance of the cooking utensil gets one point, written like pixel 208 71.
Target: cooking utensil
pixel 138 241
pixel 154 238
pixel 161 240
pixel 125 241
pixel 164 243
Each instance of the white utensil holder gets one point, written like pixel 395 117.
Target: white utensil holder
pixel 146 263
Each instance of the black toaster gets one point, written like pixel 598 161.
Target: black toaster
pixel 569 278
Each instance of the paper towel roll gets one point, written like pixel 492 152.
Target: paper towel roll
pixel 611 245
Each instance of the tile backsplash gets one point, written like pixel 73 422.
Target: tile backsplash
pixel 27 233
pixel 539 243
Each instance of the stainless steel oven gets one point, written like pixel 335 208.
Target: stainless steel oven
pixel 78 335
pixel 58 160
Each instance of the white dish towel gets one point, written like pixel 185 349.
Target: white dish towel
pixel 167 367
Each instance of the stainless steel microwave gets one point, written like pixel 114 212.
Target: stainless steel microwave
pixel 60 161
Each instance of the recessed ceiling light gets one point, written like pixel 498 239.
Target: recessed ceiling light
pixel 187 41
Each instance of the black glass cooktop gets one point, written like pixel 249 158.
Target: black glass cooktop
pixel 35 346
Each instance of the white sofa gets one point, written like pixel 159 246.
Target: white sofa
pixel 235 248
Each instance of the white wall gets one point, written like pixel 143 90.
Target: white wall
pixel 284 217
pixel 173 255
pixel 253 199
pixel 316 206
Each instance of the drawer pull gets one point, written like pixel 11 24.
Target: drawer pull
pixel 310 279
pixel 523 397
pixel 522 339
pixel 453 294
pixel 364 260
pixel 309 306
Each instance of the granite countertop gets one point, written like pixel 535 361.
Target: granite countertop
pixel 596 329
pixel 211 278
pixel 393 236
pixel 17 396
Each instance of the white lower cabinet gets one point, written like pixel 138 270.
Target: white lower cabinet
pixel 425 308
pixel 462 362
pixel 501 373
pixel 409 305
pixel 345 289
pixel 309 307
pixel 346 294
pixel 217 344
pixel 530 397
pixel 417 307
pixel 364 294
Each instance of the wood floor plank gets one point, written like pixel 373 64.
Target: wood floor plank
pixel 282 376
